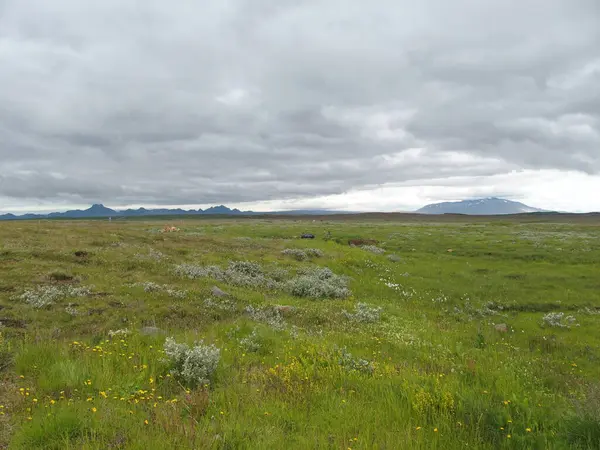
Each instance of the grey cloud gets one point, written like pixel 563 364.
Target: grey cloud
pixel 257 100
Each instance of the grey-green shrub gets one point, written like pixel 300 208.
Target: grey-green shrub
pixel 238 273
pixel 350 363
pixel 296 253
pixel 268 315
pixel 364 313
pixel 44 296
pixel 192 271
pixel 150 286
pixel 301 255
pixel 373 249
pixel 194 366
pixel 558 320
pixel 320 283
pixel 251 343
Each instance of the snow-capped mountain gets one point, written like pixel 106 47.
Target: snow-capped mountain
pixel 483 206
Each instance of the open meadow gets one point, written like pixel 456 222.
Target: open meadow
pixel 234 333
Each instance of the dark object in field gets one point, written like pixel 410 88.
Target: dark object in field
pixel 307 236
pixel 361 242
pixel 81 254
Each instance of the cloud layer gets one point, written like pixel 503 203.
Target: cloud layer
pixel 253 100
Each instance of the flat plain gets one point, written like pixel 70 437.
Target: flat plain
pixel 234 333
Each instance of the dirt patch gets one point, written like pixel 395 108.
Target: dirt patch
pixel 361 242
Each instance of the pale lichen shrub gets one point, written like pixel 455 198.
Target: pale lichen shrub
pixel 350 363
pixel 319 283
pixel 223 304
pixel 77 291
pixel 124 332
pixel 269 315
pixel 195 365
pixel 149 286
pixel 192 271
pixel 373 249
pixel 249 274
pixel 589 311
pixel 279 274
pixel 251 343
pixel 301 255
pixel 238 273
pixel 44 296
pixel 248 268
pixel 175 293
pixel 558 320
pixel 296 253
pixel 364 313
pixel 71 310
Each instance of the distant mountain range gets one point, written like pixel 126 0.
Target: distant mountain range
pixel 484 207
pixel 99 210
pixel 102 211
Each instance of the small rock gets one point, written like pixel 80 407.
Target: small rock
pixel 151 331
pixel 501 327
pixel 394 258
pixel 308 236
pixel 218 292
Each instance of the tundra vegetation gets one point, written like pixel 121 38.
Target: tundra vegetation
pixel 236 333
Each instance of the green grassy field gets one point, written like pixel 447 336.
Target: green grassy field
pixel 443 335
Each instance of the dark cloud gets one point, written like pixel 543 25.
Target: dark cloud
pixel 224 102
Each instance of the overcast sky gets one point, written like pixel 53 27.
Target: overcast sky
pixel 271 104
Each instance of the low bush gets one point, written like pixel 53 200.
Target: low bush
pixel 194 366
